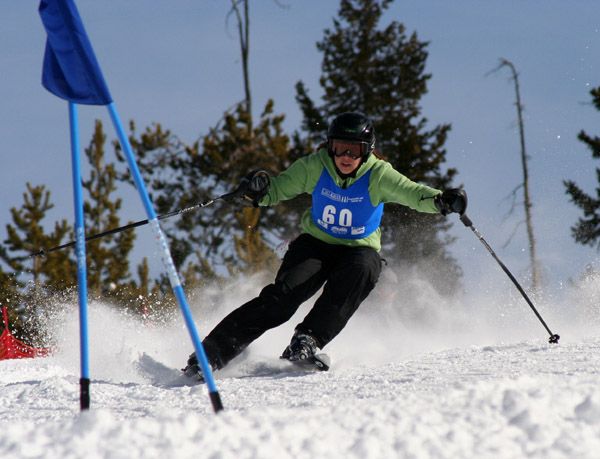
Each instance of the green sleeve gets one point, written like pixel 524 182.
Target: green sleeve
pixel 301 177
pixel 389 185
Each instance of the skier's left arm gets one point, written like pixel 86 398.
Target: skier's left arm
pixel 389 185
pixel 392 186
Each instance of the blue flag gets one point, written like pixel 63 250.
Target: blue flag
pixel 70 70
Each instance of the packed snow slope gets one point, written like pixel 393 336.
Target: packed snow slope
pixel 413 376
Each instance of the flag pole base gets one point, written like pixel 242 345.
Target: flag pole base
pixel 84 394
pixel 215 399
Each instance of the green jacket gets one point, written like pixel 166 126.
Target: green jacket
pixel 385 185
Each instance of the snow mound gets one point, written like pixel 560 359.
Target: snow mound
pixel 422 377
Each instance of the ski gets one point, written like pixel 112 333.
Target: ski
pixel 162 375
pixel 319 362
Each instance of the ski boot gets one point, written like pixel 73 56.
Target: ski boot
pixel 193 370
pixel 302 350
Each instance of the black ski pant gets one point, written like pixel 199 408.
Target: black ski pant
pixel 347 273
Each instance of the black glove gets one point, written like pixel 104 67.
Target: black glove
pixel 452 200
pixel 254 186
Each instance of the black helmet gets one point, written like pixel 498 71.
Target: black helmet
pixel 353 126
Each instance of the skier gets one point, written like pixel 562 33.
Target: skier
pixel 338 248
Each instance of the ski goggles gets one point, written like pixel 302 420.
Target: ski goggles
pixel 351 148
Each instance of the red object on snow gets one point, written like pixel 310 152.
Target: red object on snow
pixel 12 348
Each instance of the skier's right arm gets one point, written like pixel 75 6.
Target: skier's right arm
pixel 300 177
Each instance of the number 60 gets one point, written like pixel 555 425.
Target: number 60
pixel 329 213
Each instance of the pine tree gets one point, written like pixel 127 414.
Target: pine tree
pixel 35 280
pixel 208 243
pixel 108 273
pixel 171 172
pixel 9 284
pixel 229 153
pixel 225 237
pixel 381 72
pixel 10 296
pixel 587 229
pixel 56 270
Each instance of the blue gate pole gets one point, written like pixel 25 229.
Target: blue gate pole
pixel 84 382
pixel 167 260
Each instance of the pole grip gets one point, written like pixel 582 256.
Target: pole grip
pixel 466 220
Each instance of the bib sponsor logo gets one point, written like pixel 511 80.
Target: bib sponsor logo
pixel 322 223
pixel 357 231
pixel 339 230
pixel 339 198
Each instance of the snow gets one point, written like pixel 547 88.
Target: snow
pixel 411 377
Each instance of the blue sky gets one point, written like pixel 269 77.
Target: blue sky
pixel 177 62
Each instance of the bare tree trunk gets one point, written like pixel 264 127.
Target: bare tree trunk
pixel 244 34
pixel 535 276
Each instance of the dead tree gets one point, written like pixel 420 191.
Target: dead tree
pixel 535 275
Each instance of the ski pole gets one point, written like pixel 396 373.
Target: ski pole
pixel 120 229
pixel 468 223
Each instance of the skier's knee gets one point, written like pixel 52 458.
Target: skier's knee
pixel 274 306
pixel 367 267
pixel 275 292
